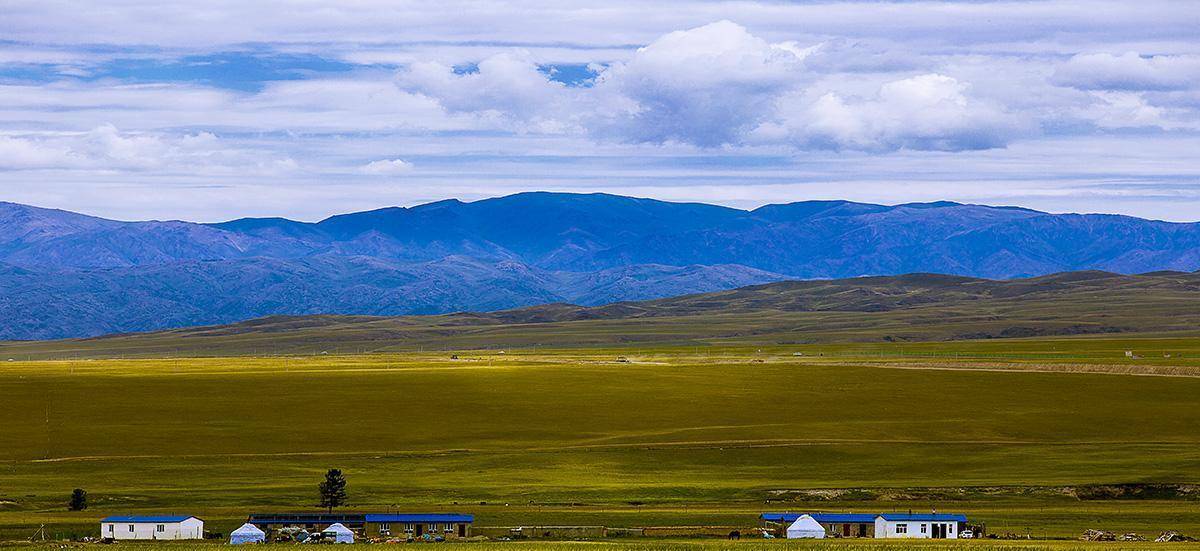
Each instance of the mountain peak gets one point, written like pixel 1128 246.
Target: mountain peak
pixel 444 203
pixel 929 205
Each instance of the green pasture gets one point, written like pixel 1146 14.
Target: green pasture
pixel 661 437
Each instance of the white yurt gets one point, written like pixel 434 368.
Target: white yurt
pixel 339 533
pixel 805 527
pixel 248 533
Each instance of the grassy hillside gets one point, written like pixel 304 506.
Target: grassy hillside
pixel 910 308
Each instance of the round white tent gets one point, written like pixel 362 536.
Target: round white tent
pixel 805 527
pixel 339 533
pixel 248 533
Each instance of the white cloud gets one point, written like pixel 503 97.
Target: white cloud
pixel 1129 71
pixel 793 93
pixel 703 86
pixel 924 112
pixel 342 105
pixel 386 167
pixel 842 55
pixel 106 148
pixel 508 84
pixel 1118 109
pixel 317 105
pixel 18 154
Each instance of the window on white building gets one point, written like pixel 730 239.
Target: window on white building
pixel 901 528
pixel 161 528
pixel 130 527
pixel 924 528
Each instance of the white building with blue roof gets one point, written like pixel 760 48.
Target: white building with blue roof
pixel 869 525
pixel 151 527
pixel 918 525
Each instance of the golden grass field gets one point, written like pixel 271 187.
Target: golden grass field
pixel 1015 434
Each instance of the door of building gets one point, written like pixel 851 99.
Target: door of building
pixel 939 531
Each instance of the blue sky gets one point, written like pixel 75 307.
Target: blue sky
pixel 215 110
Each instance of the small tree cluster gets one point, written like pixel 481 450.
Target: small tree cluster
pixel 333 489
pixel 78 500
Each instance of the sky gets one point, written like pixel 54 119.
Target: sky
pixel 217 109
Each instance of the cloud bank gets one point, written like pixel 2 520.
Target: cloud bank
pixel 318 108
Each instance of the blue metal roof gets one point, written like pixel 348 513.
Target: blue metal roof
pixel 937 517
pixel 306 518
pixel 356 518
pixel 144 519
pixel 420 517
pixel 844 518
pixel 827 518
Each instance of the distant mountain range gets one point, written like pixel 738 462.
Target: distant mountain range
pixel 67 275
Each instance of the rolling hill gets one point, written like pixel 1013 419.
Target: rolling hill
pixel 906 308
pixel 69 275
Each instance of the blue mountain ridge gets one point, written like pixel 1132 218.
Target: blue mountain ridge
pixel 65 275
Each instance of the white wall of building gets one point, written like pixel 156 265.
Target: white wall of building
pixel 920 529
pixel 190 529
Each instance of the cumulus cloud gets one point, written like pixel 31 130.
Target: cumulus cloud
pixel 716 85
pixel 704 86
pixel 386 167
pixel 1120 109
pixel 1129 71
pixel 720 85
pixel 925 112
pixel 509 85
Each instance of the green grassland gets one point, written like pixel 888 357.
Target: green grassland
pixel 1043 406
pixel 1016 433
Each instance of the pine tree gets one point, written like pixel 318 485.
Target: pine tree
pixel 78 500
pixel 333 489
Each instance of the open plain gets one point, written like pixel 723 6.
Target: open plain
pixel 1039 437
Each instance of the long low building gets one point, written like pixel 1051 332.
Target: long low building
pixel 869 525
pixel 151 527
pixel 374 525
pixel 308 521
pixel 417 525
